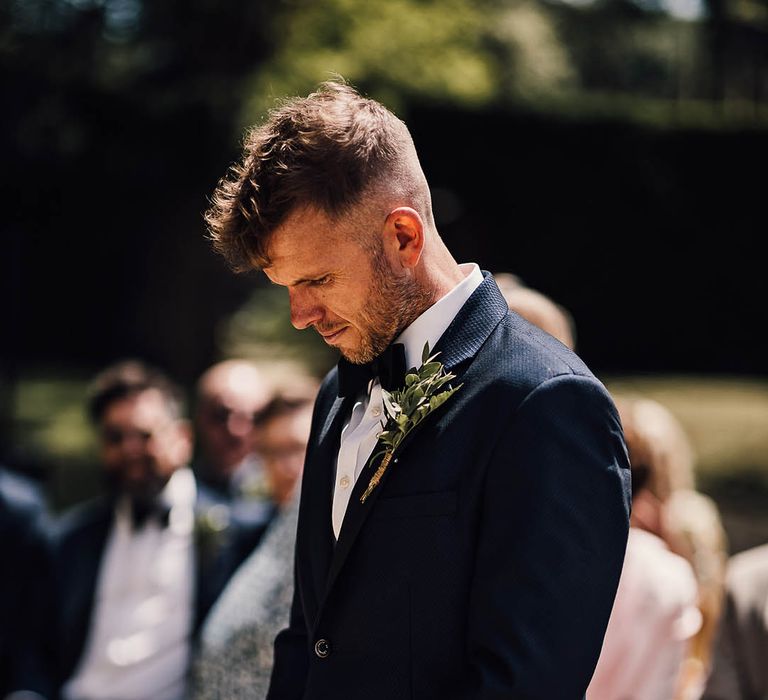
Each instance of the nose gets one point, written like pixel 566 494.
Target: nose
pixel 135 445
pixel 240 423
pixel 305 311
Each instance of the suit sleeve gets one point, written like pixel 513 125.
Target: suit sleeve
pixel 555 522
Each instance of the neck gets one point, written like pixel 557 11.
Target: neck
pixel 440 272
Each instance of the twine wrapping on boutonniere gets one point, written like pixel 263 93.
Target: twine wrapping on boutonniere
pixel 405 408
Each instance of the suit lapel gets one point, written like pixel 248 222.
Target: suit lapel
pixel 461 341
pixel 318 491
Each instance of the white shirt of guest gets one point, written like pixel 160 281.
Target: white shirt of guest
pixel 138 645
pixel 358 437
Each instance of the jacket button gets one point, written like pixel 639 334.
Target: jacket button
pixel 322 648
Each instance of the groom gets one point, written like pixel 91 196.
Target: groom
pixel 484 560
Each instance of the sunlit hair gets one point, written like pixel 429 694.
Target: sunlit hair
pixel 324 151
pixel 128 378
pixel 660 452
pixel 538 308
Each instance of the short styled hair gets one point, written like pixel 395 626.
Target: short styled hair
pixel 324 150
pixel 127 378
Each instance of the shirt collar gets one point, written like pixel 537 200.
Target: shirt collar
pixel 179 493
pixel 431 325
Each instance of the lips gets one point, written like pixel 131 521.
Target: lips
pixel 331 338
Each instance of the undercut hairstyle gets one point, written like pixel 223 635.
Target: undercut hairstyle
pixel 325 151
pixel 129 378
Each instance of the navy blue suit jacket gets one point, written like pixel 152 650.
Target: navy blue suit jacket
pixel 24 542
pixel 485 564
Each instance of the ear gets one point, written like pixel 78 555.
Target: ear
pixel 404 236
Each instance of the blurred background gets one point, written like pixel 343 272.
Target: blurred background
pixel 611 153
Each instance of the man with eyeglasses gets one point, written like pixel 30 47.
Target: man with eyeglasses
pixel 231 397
pixel 136 570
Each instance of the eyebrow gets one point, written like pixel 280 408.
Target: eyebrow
pixel 300 281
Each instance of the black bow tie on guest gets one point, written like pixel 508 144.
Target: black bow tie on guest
pixel 389 368
pixel 142 511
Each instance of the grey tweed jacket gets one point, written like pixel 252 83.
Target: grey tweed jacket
pixel 234 657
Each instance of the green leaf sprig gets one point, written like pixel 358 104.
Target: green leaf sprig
pixel 405 408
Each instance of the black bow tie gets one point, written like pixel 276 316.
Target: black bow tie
pixel 142 511
pixel 389 368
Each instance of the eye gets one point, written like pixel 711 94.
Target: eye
pixel 320 281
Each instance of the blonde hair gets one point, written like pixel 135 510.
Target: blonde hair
pixel 658 445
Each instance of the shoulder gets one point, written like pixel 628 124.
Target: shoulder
pixel 20 495
pixel 81 519
pixel 658 588
pixel 648 559
pixel 520 363
pixel 528 350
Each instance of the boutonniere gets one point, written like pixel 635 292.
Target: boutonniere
pixel 211 529
pixel 405 408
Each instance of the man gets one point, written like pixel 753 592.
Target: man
pixel 234 658
pixel 230 397
pixel 480 558
pixel 135 571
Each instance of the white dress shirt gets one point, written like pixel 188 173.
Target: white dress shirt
pixel 358 437
pixel 138 644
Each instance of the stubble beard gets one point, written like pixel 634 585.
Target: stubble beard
pixel 393 303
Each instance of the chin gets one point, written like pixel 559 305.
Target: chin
pixel 352 356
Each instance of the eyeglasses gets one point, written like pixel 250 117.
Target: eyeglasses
pixel 221 415
pixel 115 437
pixel 281 453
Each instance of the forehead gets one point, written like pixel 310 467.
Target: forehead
pixel 236 386
pixel 309 244
pixel 144 409
pixel 289 427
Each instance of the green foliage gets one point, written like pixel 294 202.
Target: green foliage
pixel 407 407
pixel 261 330
pixel 394 50
pixel 552 57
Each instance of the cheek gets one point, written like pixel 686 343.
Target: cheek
pixel 110 458
pixel 179 451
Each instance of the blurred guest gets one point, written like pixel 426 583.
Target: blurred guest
pixel 23 534
pixel 538 308
pixel 740 661
pixel 695 531
pixel 230 397
pixel 235 656
pixel 656 613
pixel 688 522
pixel 136 570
